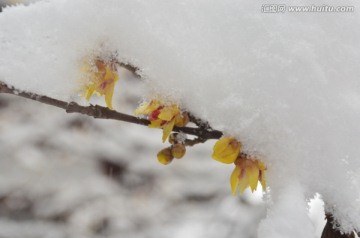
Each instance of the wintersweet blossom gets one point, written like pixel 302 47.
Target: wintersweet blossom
pixel 226 150
pixel 163 116
pixel 102 80
pixel 247 173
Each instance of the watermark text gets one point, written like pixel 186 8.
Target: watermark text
pixel 282 8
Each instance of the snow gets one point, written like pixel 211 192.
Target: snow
pixel 286 218
pixel 316 214
pixel 286 85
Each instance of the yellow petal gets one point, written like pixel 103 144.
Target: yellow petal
pixel 243 179
pixel 168 113
pixel 252 173
pixel 89 92
pixel 230 151
pixel 221 144
pixel 167 129
pixel 234 180
pixel 111 74
pixel 262 168
pixel 147 108
pixel 262 179
pixel 226 150
pixel 226 159
pixel 156 123
pixel 261 165
pixel 108 96
pixel 143 109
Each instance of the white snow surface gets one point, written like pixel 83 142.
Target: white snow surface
pixel 286 85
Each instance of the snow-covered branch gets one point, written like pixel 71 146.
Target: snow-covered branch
pixel 330 232
pixel 203 133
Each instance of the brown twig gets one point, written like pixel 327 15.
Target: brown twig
pixel 195 141
pixel 330 232
pixel 100 112
pixel 200 123
pixel 129 67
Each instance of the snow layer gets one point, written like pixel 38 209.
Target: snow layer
pixel 287 85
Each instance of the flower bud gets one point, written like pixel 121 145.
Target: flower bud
pixel 182 120
pixel 186 118
pixel 178 150
pixel 173 138
pixel 226 150
pixel 165 156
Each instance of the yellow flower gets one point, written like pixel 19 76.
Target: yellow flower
pixel 102 80
pixel 247 173
pixel 226 150
pixel 162 116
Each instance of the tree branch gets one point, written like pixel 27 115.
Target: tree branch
pixel 129 67
pixel 330 232
pixel 100 112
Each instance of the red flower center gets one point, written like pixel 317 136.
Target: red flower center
pixel 154 115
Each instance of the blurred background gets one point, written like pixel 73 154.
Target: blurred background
pixel 67 175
